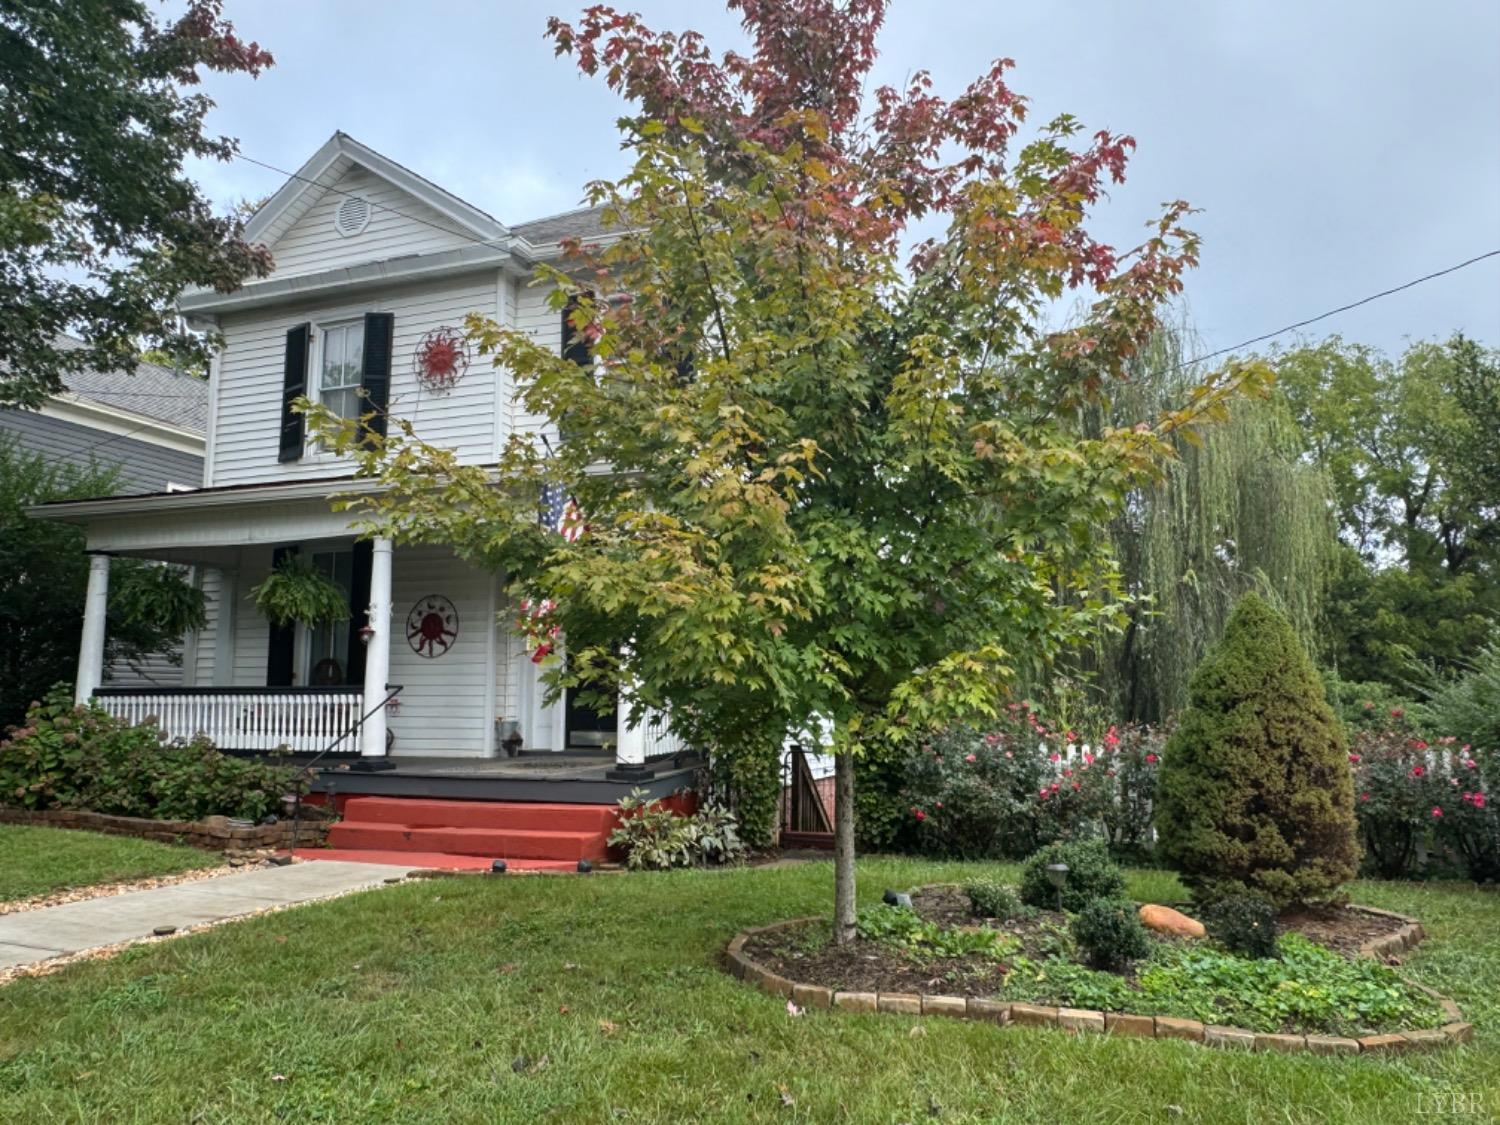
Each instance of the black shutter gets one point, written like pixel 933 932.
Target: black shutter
pixel 293 387
pixel 359 606
pixel 282 652
pixel 575 346
pixel 375 380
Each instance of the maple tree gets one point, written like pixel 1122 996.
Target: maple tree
pixel 823 478
pixel 100 227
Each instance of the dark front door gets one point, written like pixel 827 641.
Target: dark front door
pixel 587 729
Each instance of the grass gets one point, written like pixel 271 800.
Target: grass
pixel 35 861
pixel 602 999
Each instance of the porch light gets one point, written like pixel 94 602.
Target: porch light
pixel 497 867
pixel 365 633
pixel 1057 875
pixel 896 898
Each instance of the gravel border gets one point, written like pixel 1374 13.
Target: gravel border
pixel 1081 1020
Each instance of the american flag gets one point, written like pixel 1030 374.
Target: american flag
pixel 560 513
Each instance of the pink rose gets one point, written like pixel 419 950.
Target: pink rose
pixel 970 758
pixel 1151 759
pixel 1354 757
pixel 1437 811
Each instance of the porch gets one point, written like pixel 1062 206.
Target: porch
pixel 465 716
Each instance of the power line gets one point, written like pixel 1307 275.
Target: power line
pixel 1331 312
pixel 1185 363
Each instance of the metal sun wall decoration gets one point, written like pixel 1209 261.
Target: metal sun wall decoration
pixel 441 358
pixel 432 626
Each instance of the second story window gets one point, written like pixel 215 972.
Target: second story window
pixel 340 369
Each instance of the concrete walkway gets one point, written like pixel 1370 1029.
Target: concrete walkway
pixel 29 936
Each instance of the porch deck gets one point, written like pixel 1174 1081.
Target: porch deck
pixel 564 778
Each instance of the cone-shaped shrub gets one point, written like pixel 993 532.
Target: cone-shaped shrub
pixel 1255 792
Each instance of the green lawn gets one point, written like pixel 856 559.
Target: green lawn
pixel 36 861
pixel 439 1001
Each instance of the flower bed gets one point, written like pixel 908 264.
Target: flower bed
pixel 940 959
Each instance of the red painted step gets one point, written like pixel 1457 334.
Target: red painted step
pixel 440 861
pixel 426 813
pixel 496 843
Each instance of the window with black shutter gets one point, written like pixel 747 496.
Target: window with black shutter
pixel 375 380
pixel 293 387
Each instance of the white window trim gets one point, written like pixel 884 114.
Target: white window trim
pixel 312 451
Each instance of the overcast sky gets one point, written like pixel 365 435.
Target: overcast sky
pixel 1335 148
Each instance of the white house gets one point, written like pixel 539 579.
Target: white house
pixel 372 264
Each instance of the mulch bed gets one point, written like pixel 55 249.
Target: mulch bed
pixel 805 953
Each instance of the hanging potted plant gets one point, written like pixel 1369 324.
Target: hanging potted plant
pixel 297 592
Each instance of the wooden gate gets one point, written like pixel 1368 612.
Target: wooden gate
pixel 805 822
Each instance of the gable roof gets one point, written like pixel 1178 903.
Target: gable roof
pixel 309 183
pixel 152 392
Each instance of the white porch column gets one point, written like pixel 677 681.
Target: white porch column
pixel 630 745
pixel 91 647
pixel 378 650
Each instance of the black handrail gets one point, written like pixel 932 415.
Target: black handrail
pixel 391 691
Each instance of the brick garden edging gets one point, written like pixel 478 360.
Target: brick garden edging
pixel 1081 1020
pixel 211 834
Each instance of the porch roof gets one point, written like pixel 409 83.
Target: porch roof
pixel 189 526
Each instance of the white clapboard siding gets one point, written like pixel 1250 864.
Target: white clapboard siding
pixel 210 581
pixel 248 394
pixel 543 323
pixel 446 705
pixel 156 670
pixel 313 243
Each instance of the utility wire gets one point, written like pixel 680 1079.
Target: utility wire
pixel 1185 363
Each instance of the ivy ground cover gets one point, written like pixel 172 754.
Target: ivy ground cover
pixel 604 999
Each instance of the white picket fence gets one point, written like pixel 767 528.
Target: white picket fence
pixel 303 721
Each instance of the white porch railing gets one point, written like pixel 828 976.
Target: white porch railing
pixel 302 720
pixel 658 739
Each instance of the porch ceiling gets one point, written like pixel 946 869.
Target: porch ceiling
pixel 208 525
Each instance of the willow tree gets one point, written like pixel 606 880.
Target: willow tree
pixel 1238 509
pixel 817 479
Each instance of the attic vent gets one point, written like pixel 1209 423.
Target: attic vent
pixel 352 216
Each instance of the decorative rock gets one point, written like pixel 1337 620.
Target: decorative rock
pixel 855 1001
pixel 812 996
pixel 1123 1023
pixel 1383 1044
pixel 1169 1028
pixel 904 1003
pixel 1332 1045
pixel 1264 1042
pixel 1236 1038
pixel 1459 1032
pixel 944 1006
pixel 163 931
pixel 1165 920
pixel 995 1011
pixel 1080 1019
pixel 1033 1015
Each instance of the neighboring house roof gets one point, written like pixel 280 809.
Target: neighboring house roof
pixel 151 392
pixel 584 222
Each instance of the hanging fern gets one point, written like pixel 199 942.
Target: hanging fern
pixel 296 591
pixel 142 593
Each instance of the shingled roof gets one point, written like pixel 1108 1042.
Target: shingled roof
pixel 585 222
pixel 152 392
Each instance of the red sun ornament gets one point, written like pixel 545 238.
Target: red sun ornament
pixel 432 626
pixel 441 358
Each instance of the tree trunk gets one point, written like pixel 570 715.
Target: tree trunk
pixel 843 848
